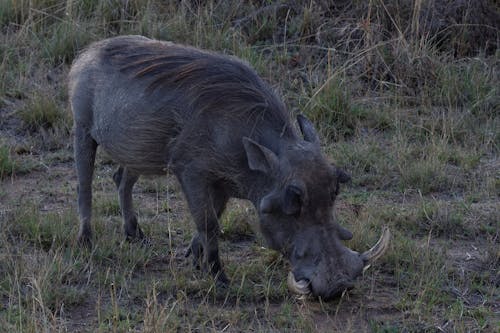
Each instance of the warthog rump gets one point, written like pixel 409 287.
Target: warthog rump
pixel 223 132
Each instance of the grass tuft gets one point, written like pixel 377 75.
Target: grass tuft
pixel 334 113
pixel 42 112
pixel 7 165
pixel 62 42
pixel 11 165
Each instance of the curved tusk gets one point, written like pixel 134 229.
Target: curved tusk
pixel 299 287
pixel 378 249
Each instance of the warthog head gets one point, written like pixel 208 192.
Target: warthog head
pixel 296 216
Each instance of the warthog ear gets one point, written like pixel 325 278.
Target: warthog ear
pixel 307 129
pixel 342 176
pixel 259 157
pixel 292 200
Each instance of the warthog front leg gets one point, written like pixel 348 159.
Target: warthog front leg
pixel 125 181
pixel 206 202
pixel 85 150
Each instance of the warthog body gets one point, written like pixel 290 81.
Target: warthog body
pixel 209 119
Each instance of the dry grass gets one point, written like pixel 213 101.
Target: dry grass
pixel 406 98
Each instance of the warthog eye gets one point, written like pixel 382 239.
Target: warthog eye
pixel 292 200
pixel 341 177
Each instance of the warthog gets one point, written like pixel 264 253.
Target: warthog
pixel 210 120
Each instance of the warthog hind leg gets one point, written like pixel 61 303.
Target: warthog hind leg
pixel 85 150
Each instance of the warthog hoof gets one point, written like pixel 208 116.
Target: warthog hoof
pixel 195 249
pixel 139 238
pixel 85 238
pixel 221 280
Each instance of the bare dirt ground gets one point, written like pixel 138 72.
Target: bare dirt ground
pixel 378 300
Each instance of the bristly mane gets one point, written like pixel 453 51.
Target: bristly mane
pixel 211 81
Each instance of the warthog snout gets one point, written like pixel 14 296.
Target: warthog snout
pixel 326 279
